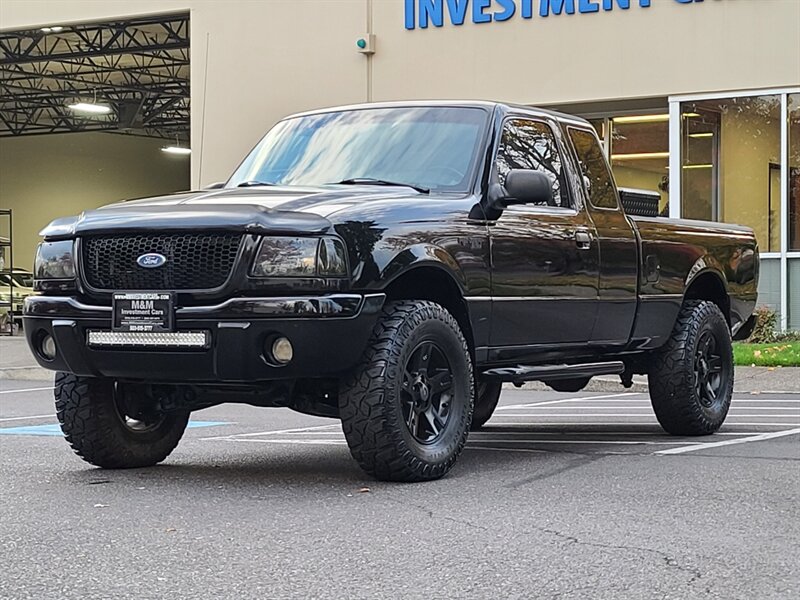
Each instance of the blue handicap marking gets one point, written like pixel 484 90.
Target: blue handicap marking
pixel 54 429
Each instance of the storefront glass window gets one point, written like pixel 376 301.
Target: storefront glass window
pixel 640 154
pixel 730 158
pixel 794 173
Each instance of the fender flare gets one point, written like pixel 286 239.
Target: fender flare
pixel 419 256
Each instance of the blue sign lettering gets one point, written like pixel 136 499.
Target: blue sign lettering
pixel 556 7
pixel 424 13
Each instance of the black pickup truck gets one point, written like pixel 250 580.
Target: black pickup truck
pixel 390 265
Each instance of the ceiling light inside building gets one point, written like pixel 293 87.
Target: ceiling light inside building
pixel 53 29
pixel 176 150
pixel 640 156
pixel 698 166
pixel 706 134
pixel 642 119
pixel 90 108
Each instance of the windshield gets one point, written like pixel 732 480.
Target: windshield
pixel 431 148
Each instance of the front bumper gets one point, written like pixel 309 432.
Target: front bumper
pixel 329 334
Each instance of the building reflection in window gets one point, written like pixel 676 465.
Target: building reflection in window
pixel 730 161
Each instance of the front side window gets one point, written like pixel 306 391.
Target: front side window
pixel 431 147
pixel 531 145
pixel 596 176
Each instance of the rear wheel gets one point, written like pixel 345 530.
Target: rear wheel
pixel 691 377
pixel 406 409
pixel 487 395
pixel 106 431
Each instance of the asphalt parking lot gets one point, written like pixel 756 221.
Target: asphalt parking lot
pixel 561 496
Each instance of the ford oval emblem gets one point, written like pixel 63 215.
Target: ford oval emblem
pixel 151 260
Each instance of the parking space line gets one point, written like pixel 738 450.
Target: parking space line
pixel 27 418
pixel 755 438
pixel 39 389
pixel 234 438
pixel 590 442
pixel 277 432
pixel 584 398
pixel 603 423
pixel 577 414
pixel 495 449
pixel 735 407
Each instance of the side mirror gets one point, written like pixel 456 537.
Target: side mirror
pixel 524 186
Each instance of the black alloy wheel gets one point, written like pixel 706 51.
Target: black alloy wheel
pixel 426 393
pixel 708 370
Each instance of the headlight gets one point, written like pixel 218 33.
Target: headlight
pixel 54 260
pixel 300 257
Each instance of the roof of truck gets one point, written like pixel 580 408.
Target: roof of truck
pixel 485 104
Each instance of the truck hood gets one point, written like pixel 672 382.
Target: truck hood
pixel 258 210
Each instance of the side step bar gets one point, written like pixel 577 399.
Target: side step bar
pixel 523 373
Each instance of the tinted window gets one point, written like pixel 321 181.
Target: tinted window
pixel 532 145
pixel 596 176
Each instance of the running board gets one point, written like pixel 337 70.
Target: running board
pixel 522 373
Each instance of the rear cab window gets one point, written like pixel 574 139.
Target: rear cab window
pixel 597 180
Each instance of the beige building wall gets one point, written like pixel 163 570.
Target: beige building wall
pixel 268 58
pixel 669 48
pixel 46 177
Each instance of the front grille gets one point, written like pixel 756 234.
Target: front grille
pixel 194 261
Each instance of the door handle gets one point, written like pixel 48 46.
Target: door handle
pixel 583 239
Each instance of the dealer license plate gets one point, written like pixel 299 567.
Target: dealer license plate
pixel 143 311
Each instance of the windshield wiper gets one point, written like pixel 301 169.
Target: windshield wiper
pixel 254 183
pixel 371 181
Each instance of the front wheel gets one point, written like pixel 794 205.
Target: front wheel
pixel 691 377
pixel 104 432
pixel 406 409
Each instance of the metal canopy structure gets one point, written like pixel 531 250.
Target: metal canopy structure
pixel 137 67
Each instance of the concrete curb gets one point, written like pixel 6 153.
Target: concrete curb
pixel 598 384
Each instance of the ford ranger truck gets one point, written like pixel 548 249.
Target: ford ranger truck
pixel 388 265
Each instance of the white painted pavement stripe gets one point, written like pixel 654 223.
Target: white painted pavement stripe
pixel 547 402
pixel 27 418
pixel 577 414
pixel 39 389
pixel 629 414
pixel 274 441
pixel 589 442
pixel 277 432
pixel 604 424
pixel 478 435
pixel 480 439
pixel 755 438
pixel 734 407
pixel 526 450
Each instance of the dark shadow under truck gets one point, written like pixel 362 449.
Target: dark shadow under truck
pixel 389 265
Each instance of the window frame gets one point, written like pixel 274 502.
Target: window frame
pixel 574 207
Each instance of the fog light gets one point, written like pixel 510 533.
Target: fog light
pixel 48 347
pixel 282 350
